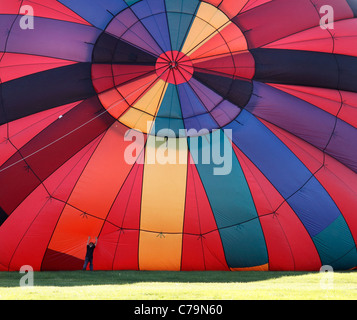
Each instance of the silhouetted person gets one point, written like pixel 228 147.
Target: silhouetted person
pixel 89 255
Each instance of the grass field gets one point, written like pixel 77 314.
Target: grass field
pixel 131 285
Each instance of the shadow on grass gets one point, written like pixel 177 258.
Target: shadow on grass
pixel 87 278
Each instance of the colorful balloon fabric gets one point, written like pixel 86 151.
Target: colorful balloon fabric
pixel 251 103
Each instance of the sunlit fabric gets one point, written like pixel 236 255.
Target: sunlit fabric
pixel 263 77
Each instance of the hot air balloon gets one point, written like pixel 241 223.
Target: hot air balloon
pixel 251 105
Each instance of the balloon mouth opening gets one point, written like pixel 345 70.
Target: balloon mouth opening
pixel 173 64
pixel 174 67
pixel 164 92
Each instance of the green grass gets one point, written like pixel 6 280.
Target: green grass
pixel 131 285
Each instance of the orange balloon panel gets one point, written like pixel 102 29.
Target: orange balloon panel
pixel 72 231
pixel 104 174
pixel 160 251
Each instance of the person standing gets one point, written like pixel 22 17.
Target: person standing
pixel 89 254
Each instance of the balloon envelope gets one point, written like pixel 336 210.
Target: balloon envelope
pixel 184 134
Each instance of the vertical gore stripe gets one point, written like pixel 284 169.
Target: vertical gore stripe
pixel 163 205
